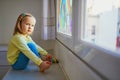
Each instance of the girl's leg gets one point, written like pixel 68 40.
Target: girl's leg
pixel 34 49
pixel 22 61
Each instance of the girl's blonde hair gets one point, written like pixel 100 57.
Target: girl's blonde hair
pixel 19 21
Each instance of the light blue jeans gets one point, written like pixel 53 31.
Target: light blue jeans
pixel 23 60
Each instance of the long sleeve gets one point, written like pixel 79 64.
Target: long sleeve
pixel 19 43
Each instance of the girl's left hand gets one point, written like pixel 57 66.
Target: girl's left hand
pixel 48 57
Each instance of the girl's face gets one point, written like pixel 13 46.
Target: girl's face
pixel 27 25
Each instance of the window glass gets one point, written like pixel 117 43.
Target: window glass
pixel 64 17
pixel 102 23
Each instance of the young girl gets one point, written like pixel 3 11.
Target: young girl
pixel 22 48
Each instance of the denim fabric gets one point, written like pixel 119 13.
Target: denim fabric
pixel 23 60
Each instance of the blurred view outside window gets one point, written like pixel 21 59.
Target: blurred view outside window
pixel 102 23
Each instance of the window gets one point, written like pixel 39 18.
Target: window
pixel 102 23
pixel 66 21
pixel 64 17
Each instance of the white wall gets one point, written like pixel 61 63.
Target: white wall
pixel 105 64
pixel 107 33
pixel 73 67
pixel 10 10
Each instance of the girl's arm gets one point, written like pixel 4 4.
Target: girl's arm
pixel 21 44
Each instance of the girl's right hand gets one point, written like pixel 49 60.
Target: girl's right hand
pixel 44 65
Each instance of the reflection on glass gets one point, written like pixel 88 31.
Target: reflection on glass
pixel 64 17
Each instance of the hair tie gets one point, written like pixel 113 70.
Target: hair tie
pixel 23 14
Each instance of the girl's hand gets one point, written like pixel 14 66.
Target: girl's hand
pixel 48 57
pixel 44 65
